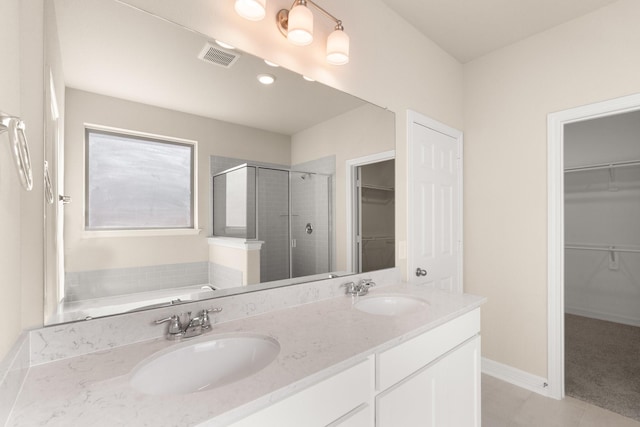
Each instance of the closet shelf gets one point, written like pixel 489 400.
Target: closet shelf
pixel 372 238
pixel 603 166
pixel 376 187
pixel 610 248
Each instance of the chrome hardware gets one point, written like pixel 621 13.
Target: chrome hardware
pixel 351 288
pixel 48 187
pixel 309 228
pixel 64 199
pixel 420 272
pixel 19 148
pixel 362 288
pixel 194 325
pixel 175 327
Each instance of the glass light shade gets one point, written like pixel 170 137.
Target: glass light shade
pixel 338 48
pixel 300 25
pixel 253 10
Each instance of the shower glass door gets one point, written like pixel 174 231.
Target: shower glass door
pixel 310 224
pixel 273 224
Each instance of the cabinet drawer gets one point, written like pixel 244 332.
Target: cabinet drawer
pixel 401 361
pixel 322 403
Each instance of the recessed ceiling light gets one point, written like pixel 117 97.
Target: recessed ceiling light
pixel 266 79
pixel 224 45
pixel 309 79
pixel 270 64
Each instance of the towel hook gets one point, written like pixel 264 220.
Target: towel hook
pixel 19 147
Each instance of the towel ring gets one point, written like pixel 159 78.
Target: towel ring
pixel 19 147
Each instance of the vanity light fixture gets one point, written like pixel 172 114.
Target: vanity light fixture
pixel 253 10
pixel 271 64
pixel 266 79
pixel 296 24
pixel 309 79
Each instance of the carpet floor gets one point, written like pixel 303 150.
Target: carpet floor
pixel 602 364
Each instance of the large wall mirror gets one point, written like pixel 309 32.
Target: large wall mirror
pixel 157 138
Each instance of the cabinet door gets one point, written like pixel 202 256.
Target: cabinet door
pixel 443 394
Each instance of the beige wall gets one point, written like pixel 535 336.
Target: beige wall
pixel 20 211
pixel 364 131
pixel 213 137
pixel 508 95
pixel 10 189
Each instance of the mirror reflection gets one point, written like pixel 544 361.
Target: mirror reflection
pixel 179 176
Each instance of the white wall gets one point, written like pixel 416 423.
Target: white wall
pixel 508 95
pixel 213 137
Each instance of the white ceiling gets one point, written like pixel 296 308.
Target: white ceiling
pixel 468 29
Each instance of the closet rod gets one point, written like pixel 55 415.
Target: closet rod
pixel 601 248
pixel 603 166
pixel 378 238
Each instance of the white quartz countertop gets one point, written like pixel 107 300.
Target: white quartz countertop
pixel 316 340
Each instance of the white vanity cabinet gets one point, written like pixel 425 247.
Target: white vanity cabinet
pixel 432 379
pixel 344 400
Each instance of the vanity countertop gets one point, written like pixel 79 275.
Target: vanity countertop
pixel 317 340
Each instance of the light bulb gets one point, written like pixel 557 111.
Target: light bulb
pixel 253 10
pixel 266 79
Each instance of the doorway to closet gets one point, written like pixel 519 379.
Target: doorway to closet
pixel 594 254
pixel 375 216
pixel 602 262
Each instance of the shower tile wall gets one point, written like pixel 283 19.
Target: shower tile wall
pixel 118 281
pixel 223 277
pixel 314 257
pixel 309 205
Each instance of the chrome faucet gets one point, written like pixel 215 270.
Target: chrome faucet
pixel 194 325
pixel 359 289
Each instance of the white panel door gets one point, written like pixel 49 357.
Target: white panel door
pixel 435 206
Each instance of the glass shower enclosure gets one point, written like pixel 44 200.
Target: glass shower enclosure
pixel 290 211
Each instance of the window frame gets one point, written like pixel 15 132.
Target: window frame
pixel 139 231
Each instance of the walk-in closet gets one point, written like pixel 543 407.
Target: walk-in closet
pixel 602 262
pixel 377 210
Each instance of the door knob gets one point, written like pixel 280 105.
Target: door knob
pixel 420 272
pixel 64 199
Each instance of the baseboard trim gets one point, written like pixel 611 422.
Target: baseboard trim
pixel 515 376
pixel 602 316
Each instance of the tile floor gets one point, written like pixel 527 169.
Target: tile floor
pixel 505 405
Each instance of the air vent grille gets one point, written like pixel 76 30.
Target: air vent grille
pixel 215 55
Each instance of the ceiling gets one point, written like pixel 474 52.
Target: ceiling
pixel 468 29
pixel 115 50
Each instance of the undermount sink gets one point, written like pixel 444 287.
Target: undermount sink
pixel 204 365
pixel 390 305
